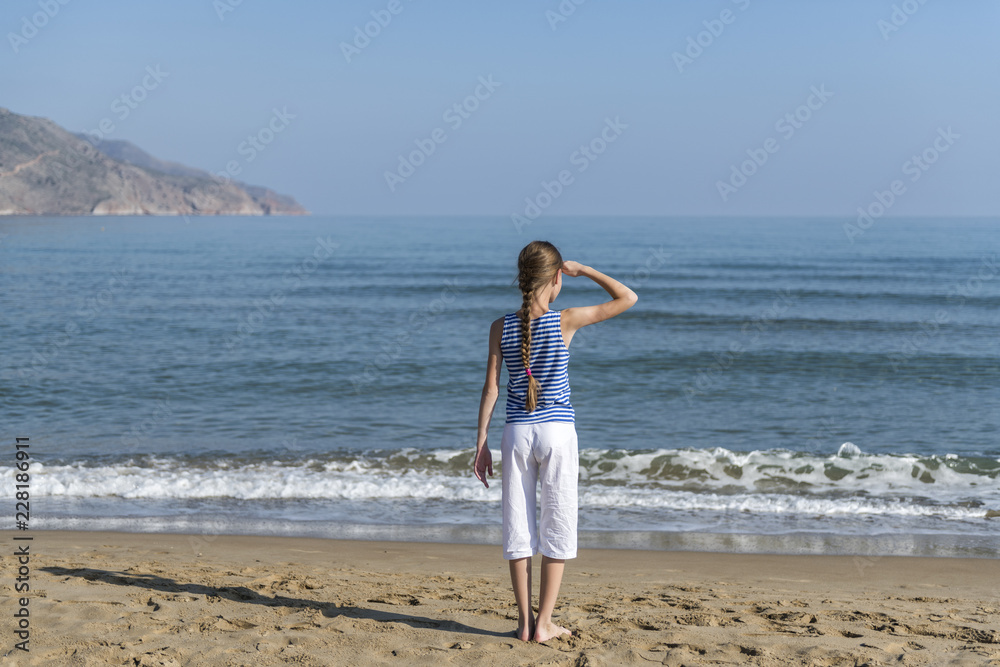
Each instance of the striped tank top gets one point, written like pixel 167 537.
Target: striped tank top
pixel 549 363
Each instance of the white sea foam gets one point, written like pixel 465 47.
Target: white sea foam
pixel 770 503
pixel 771 482
pixel 943 478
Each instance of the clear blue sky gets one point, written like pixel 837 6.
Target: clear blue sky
pixel 891 93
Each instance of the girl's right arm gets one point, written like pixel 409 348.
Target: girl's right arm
pixel 622 298
pixel 482 464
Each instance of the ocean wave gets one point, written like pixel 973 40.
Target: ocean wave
pixel 849 471
pixel 717 479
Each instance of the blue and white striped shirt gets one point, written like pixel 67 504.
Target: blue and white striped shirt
pixel 549 361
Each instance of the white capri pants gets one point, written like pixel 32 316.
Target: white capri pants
pixel 546 453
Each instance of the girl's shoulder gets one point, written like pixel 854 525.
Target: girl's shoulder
pixel 507 321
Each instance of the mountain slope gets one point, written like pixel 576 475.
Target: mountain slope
pixel 45 170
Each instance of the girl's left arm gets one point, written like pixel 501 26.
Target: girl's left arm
pixel 483 463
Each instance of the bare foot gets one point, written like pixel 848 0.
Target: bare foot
pixel 525 630
pixel 544 633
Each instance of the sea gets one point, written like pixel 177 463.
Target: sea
pixel 789 385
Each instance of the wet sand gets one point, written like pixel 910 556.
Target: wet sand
pixel 100 598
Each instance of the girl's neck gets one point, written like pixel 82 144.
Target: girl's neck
pixel 532 314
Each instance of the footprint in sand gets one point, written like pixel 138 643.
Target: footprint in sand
pixel 705 620
pixel 224 624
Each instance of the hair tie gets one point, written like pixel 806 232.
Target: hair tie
pixel 528 371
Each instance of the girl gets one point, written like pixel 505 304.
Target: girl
pixel 539 438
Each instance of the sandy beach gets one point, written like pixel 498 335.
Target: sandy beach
pixel 100 598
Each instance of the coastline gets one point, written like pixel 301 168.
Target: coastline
pixel 177 599
pixel 816 543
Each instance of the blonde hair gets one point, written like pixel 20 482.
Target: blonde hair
pixel 538 263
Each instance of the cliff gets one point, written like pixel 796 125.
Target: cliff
pixel 45 170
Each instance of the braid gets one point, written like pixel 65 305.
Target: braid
pixel 532 398
pixel 538 264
